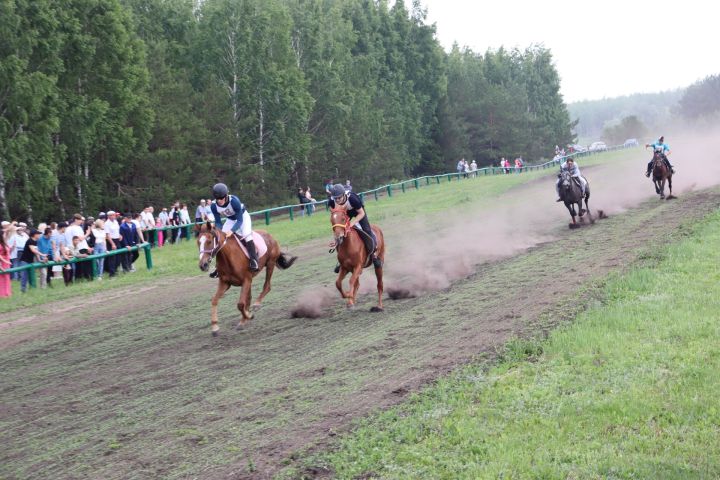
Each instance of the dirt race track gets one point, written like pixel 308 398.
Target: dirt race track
pixel 132 385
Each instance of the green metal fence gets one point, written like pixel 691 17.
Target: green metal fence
pixel 415 184
pixel 31 267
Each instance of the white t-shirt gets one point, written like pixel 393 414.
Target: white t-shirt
pixel 99 235
pixel 75 231
pixel 112 228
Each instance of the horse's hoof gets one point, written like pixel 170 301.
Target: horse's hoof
pixel 256 306
pixel 215 334
pixel 376 309
pixel 350 306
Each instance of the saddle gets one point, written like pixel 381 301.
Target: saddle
pixel 369 245
pixel 260 245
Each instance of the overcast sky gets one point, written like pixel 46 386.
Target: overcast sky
pixel 601 49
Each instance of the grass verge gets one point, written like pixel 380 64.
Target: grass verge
pixel 629 390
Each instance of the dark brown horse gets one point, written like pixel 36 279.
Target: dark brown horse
pixel 233 268
pixel 352 254
pixel 571 194
pixel 661 173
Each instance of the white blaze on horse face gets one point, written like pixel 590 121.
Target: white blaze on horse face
pixel 202 246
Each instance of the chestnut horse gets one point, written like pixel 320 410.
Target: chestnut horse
pixel 661 173
pixel 353 256
pixel 233 268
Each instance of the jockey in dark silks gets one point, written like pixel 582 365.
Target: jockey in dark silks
pixel 352 203
pixel 238 218
pixel 664 150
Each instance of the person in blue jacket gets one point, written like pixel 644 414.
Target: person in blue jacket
pixel 238 221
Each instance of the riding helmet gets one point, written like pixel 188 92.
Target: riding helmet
pixel 337 191
pixel 220 190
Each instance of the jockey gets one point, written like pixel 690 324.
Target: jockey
pixel 664 150
pixel 351 202
pixel 570 166
pixel 238 218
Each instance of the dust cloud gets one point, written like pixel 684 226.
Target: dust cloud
pixel 429 254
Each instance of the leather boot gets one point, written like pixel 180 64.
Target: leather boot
pixel 250 245
pixel 213 274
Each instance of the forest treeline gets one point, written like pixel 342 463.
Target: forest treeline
pixel 125 103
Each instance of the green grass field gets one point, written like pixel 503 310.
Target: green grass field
pixel 628 390
pixel 172 261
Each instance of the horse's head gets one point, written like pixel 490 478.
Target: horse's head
pixel 207 241
pixel 565 180
pixel 339 220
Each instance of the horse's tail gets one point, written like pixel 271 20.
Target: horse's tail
pixel 285 261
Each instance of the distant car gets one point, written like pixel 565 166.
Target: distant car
pixel 631 142
pixel 577 148
pixel 598 147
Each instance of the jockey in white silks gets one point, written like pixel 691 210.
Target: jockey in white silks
pixel 571 167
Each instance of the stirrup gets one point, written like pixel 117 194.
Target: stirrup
pixel 254 265
pixel 377 263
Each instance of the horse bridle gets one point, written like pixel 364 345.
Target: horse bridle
pixel 344 226
pixel 216 247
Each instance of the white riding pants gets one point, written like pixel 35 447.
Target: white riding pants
pixel 245 229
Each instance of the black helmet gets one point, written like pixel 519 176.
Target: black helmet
pixel 220 190
pixel 337 191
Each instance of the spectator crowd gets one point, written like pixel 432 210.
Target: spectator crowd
pixel 80 237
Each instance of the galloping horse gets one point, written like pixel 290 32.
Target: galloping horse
pixel 353 256
pixel 234 268
pixel 571 195
pixel 661 173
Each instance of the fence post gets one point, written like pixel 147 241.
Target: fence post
pixel 427 180
pixel 31 278
pixel 94 266
pixel 267 217
pixel 417 184
pixel 389 190
pixel 362 197
pixel 437 178
pixel 148 257
pixel 402 185
pixel 376 195
pixel 450 178
pixel 290 211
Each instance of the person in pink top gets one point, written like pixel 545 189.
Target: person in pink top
pixel 159 224
pixel 5 289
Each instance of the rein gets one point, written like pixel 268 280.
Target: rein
pixel 216 248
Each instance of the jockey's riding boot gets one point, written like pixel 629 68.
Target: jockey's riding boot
pixel 377 263
pixel 559 200
pixel 213 274
pixel 250 245
pixel 337 268
pixel 672 169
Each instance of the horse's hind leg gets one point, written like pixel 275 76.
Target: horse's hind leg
pixel 244 302
pixel 222 288
pixel 379 275
pixel 587 207
pixel 266 286
pixel 670 187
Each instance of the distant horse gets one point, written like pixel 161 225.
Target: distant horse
pixel 234 267
pixel 571 195
pixel 353 256
pixel 661 172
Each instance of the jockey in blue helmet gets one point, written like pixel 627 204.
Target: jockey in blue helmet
pixel 238 218
pixel 664 150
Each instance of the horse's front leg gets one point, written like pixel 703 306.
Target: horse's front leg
pixel 354 285
pixel 662 189
pixel 379 276
pixel 266 286
pixel 244 301
pixel 221 289
pixel 339 282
